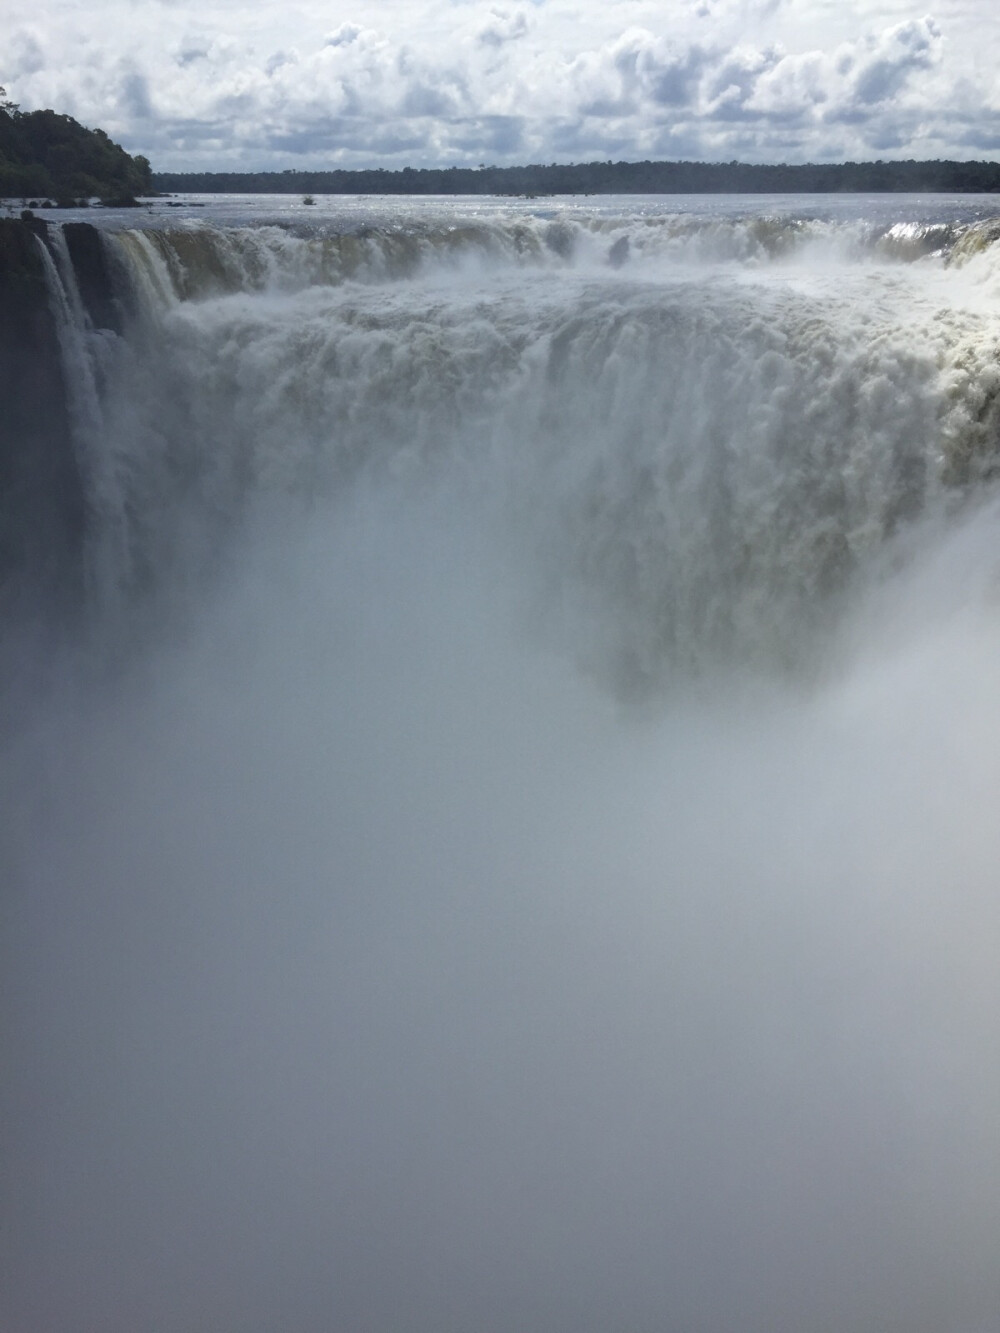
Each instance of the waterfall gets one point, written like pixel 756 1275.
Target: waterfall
pixel 707 468
pixel 507 839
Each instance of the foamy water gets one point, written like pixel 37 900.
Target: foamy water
pixel 510 842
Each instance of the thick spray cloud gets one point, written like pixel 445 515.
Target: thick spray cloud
pixel 364 971
pixel 370 965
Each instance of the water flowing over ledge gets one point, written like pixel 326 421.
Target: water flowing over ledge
pixel 498 775
pixel 707 429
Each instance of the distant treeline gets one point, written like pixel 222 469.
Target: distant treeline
pixel 53 157
pixel 604 178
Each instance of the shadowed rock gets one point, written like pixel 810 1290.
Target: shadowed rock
pixel 42 503
pixel 93 277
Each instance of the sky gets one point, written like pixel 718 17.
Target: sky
pixel 231 85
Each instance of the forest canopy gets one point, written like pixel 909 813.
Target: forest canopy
pixel 607 178
pixel 43 153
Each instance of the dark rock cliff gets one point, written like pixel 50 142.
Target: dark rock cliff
pixel 42 500
pixel 93 275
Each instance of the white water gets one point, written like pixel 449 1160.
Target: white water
pixel 515 847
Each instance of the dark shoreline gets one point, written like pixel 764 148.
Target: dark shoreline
pixel 908 177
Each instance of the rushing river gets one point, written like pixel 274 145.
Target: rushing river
pixel 506 840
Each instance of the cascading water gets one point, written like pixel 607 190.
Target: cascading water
pixel 506 840
pixel 706 462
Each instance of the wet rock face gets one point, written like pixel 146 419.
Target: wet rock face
pixel 93 277
pixel 619 252
pixel 42 503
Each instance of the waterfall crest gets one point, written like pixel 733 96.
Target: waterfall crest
pixel 708 462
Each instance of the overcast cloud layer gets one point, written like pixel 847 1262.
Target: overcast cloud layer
pixel 231 85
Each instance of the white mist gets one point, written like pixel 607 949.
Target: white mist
pixel 370 966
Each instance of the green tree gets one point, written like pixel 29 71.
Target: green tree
pixel 43 152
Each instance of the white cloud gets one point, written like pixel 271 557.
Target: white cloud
pixel 503 26
pixel 25 55
pixel 851 82
pixel 220 85
pixel 345 35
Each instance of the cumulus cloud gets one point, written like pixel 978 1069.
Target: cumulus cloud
pixel 851 82
pixel 345 35
pixel 658 71
pixel 25 55
pixel 135 95
pixel 889 60
pixel 201 90
pixel 502 27
pixel 743 11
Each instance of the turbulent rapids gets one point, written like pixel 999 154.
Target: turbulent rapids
pixel 497 787
pixel 706 429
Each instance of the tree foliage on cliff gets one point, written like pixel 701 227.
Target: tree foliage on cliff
pixel 45 153
pixel 607 178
